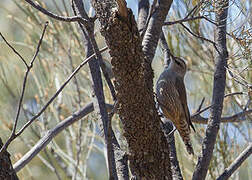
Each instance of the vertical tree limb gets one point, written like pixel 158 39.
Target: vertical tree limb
pixel 115 154
pixel 218 92
pixel 148 148
pixel 154 28
pixel 166 50
pixel 143 11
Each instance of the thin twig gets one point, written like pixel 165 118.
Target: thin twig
pixel 201 104
pixel 230 119
pixel 14 50
pixel 29 67
pixel 168 23
pixel 194 9
pixel 200 37
pixel 52 15
pixel 50 101
pixel 206 108
pixel 236 164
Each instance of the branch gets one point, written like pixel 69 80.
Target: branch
pixel 98 98
pixel 154 27
pixel 14 50
pixel 218 95
pixel 134 86
pixel 239 117
pixel 200 37
pixel 29 67
pixel 143 10
pixel 168 129
pixel 44 141
pixel 199 111
pixel 49 102
pixel 165 48
pixel 168 23
pixel 236 164
pixel 57 17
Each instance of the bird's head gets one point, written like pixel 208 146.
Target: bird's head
pixel 178 65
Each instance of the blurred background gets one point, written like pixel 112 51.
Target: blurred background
pixel 62 51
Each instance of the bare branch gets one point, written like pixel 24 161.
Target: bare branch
pixel 200 37
pixel 167 52
pixel 199 111
pixel 218 94
pixel 239 117
pixel 236 164
pixel 155 21
pixel 44 141
pixel 168 23
pixel 50 101
pixel 98 98
pixel 14 50
pixel 29 67
pixel 57 17
pixel 143 10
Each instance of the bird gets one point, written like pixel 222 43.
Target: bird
pixel 171 98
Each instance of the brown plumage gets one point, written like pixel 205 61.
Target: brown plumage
pixel 171 95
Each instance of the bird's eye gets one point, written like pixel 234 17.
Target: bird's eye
pixel 179 63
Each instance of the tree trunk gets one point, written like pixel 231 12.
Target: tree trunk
pixel 148 148
pixel 6 170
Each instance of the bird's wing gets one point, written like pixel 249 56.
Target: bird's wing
pixel 179 84
pixel 167 98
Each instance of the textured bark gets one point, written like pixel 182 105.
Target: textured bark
pixel 6 170
pixel 154 28
pixel 218 92
pixel 148 148
pixel 143 10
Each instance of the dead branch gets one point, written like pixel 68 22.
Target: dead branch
pixel 57 17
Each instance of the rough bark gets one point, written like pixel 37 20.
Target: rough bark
pixel 6 170
pixel 148 148
pixel 218 92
